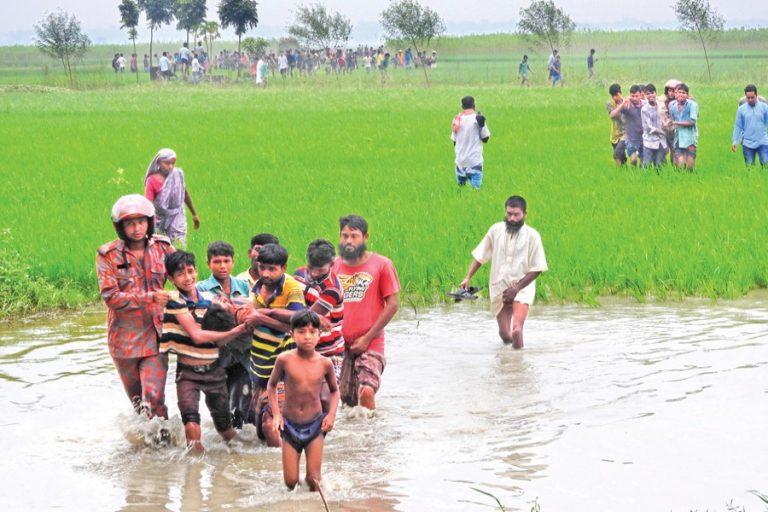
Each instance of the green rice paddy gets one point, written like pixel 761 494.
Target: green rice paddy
pixel 293 158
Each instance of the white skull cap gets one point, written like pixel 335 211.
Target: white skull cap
pixel 132 205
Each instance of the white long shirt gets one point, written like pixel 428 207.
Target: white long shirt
pixel 469 146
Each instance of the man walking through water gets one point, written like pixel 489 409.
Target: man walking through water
pixel 517 256
pixel 131 272
pixel 370 286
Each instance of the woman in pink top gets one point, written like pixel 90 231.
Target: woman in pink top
pixel 164 186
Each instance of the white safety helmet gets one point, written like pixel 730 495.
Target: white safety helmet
pixel 130 206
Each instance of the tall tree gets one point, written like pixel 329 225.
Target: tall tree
pixel 318 28
pixel 158 13
pixel 59 36
pixel 410 21
pixel 702 21
pixel 129 18
pixel 543 22
pixel 190 14
pixel 255 46
pixel 210 31
pixel 242 16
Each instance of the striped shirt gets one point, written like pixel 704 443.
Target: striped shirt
pixel 331 297
pixel 175 338
pixel 269 343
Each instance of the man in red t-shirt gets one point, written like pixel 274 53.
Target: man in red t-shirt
pixel 370 285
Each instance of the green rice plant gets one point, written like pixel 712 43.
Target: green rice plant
pixel 295 157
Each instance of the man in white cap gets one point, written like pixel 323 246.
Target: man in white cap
pixel 131 274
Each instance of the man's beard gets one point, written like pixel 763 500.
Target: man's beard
pixel 352 253
pixel 514 227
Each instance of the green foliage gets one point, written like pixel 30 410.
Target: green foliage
pixel 544 23
pixel 129 18
pixel 158 12
pixel 23 290
pixel 129 14
pixel 238 14
pixel 241 15
pixel 210 31
pixel 255 46
pixel 606 230
pixel 701 20
pixel 408 20
pixel 316 27
pixel 58 35
pixel 190 14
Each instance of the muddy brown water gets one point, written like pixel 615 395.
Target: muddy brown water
pixel 626 407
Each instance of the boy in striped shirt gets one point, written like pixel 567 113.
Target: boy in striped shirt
pixel 197 350
pixel 325 297
pixel 274 295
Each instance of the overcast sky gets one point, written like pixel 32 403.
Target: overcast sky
pixel 100 18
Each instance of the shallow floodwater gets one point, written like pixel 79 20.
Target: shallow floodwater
pixel 627 407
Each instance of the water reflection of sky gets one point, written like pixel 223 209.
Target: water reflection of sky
pixel 623 407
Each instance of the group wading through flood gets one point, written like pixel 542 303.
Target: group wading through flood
pixel 301 342
pixel 273 354
pixel 629 406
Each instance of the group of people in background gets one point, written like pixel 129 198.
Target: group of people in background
pixel 290 63
pixel 651 130
pixel 648 128
pixel 190 63
pixel 554 69
pixel 234 336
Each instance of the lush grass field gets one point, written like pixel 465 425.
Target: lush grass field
pixel 292 159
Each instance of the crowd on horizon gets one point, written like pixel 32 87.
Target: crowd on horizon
pixel 289 63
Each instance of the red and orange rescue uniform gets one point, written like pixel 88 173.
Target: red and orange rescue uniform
pixel 128 286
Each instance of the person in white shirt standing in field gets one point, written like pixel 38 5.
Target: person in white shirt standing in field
pixel 468 133
pixel 518 259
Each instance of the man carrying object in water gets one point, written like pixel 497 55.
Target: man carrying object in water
pixel 517 256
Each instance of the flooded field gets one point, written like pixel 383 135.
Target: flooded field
pixel 627 407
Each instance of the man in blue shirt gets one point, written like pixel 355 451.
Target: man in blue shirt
pixel 751 128
pixel 683 116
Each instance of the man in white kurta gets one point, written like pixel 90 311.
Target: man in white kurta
pixel 517 258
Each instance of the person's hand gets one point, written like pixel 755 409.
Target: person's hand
pixel 733 147
pixel 253 320
pixel 360 345
pixel 325 324
pixel 327 424
pixel 464 284
pixel 508 297
pixel 161 297
pixel 480 118
pixel 196 221
pixel 277 422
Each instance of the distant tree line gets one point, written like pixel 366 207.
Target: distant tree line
pixel 542 23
